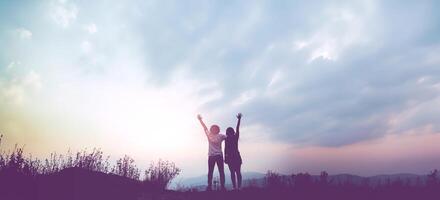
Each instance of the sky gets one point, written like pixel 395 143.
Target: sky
pixel 342 86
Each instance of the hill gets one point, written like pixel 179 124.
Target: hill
pixel 82 184
pixel 201 180
pixel 257 179
pixel 70 183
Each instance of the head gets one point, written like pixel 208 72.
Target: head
pixel 214 129
pixel 230 131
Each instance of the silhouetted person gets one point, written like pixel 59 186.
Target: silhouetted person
pixel 215 153
pixel 232 155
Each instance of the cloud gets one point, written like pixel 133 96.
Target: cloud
pixel 319 74
pixel 17 90
pixel 64 13
pixel 244 97
pixel 410 152
pixel 86 46
pixel 24 33
pixel 12 65
pixel 91 28
pixel 341 83
pixel 342 28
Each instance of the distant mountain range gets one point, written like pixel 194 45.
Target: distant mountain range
pixel 411 179
pixel 257 179
pixel 201 180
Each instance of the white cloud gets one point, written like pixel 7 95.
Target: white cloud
pixel 32 80
pixel 64 13
pixel 423 79
pixel 24 33
pixel 86 47
pixel 12 65
pixel 298 45
pixel 91 28
pixel 245 97
pixel 238 52
pixel 14 94
pixel 277 84
pixel 276 77
pixel 342 29
pixel 327 52
pixel 18 88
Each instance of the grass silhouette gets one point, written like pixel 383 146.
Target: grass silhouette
pixel 81 175
pixel 89 175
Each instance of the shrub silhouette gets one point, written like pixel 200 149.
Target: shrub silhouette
pixel 252 183
pixel 323 179
pixel 93 161
pixel 160 174
pixel 273 180
pixel 87 172
pixel 302 180
pixel 126 167
pixel 433 179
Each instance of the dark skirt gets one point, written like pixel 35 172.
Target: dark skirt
pixel 233 158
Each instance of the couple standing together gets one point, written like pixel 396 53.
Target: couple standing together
pixel 232 155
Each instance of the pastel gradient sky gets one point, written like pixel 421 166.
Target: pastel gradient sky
pixel 342 86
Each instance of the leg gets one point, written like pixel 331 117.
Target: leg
pixel 221 170
pixel 238 170
pixel 231 169
pixel 211 163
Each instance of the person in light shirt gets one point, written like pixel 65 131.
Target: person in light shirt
pixel 215 154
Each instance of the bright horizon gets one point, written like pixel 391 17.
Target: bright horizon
pixel 347 87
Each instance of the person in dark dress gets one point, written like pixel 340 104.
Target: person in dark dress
pixel 232 154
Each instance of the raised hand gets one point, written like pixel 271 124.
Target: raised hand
pixel 237 129
pixel 202 123
pixel 239 115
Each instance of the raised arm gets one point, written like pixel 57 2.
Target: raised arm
pixel 203 124
pixel 237 129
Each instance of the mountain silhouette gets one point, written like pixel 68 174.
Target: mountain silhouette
pixel 258 179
